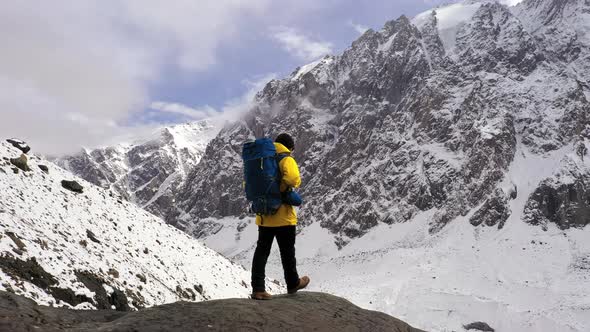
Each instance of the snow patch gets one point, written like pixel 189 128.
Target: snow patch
pixel 311 66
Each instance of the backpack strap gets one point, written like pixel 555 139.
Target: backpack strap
pixel 279 157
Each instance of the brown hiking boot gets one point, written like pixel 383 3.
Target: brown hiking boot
pixel 261 296
pixel 303 282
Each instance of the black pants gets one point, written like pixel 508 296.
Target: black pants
pixel 286 239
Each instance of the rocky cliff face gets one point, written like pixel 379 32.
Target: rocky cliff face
pixel 424 114
pixel 147 172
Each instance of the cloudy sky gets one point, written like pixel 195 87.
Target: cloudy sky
pixel 80 73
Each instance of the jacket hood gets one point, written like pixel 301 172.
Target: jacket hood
pixel 281 148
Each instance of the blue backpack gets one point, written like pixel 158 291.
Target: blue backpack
pixel 262 176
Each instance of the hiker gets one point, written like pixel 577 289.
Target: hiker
pixel 281 225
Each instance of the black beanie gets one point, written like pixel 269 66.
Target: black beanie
pixel 286 140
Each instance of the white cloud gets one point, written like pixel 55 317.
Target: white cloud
pixel 510 2
pixel 177 108
pixel 358 27
pixel 300 45
pixel 234 108
pixel 231 110
pixel 70 71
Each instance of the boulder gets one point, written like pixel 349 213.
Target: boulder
pixel 44 168
pixel 91 236
pixel 72 186
pixel 478 326
pixel 17 241
pixel 21 162
pixel 24 147
pixel 305 311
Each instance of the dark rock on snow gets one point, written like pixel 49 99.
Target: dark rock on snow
pixel 24 147
pixel 44 168
pixel 494 211
pixel 27 270
pixel 567 205
pixel 480 326
pixel 19 243
pixel 563 199
pixel 305 311
pixel 31 271
pixel 72 186
pixel 91 236
pixel 102 300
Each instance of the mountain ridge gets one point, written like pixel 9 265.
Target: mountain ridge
pixel 401 120
pixel 146 170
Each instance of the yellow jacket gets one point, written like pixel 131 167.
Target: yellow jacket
pixel 286 215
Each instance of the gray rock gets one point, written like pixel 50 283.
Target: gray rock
pixel 32 272
pixel 494 211
pixel 304 311
pixel 91 236
pixel 101 299
pixel 479 326
pixel 19 243
pixel 24 147
pixel 72 186
pixel 567 205
pixel 564 198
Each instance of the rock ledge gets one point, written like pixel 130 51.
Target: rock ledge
pixel 306 311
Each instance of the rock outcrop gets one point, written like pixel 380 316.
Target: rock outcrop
pixel 72 186
pixel 305 311
pixel 21 145
pixel 564 197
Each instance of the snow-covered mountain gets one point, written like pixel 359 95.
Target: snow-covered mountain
pixel 91 249
pixel 146 171
pixel 425 114
pixel 445 168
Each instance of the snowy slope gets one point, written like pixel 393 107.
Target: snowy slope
pixel 146 170
pixel 96 233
